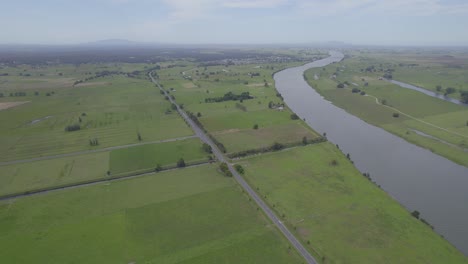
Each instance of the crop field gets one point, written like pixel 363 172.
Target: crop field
pixel 445 123
pixel 339 215
pixel 232 121
pixel 149 156
pixel 113 114
pixel 171 217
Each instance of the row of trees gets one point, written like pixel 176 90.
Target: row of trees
pixel 230 96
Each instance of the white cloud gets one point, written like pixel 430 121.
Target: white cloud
pixel 385 7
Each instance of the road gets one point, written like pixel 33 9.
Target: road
pixel 91 151
pixel 261 204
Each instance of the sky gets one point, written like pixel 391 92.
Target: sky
pixel 372 22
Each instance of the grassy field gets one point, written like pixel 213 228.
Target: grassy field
pixel 238 140
pixel 48 173
pixel 148 156
pixel 113 112
pixel 232 122
pixel 447 122
pixel 172 217
pixel 345 217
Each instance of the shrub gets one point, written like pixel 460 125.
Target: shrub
pixel 294 116
pixel 255 126
pixel 239 168
pixel 396 115
pixel 71 128
pixel 225 169
pixel 340 85
pixel 181 163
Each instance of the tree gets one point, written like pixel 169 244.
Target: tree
pixel 294 116
pixel 396 115
pixel 207 148
pixel 181 163
pixel 449 90
pixel 198 114
pixel 139 136
pixel 239 168
pixel 255 126
pixel 464 97
pixel 340 85
pixel 439 88
pixel 304 141
pixel 225 169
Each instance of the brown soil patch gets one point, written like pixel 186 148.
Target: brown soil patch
pixel 7 105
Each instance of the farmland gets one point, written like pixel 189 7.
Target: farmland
pixel 340 215
pixel 172 217
pixel 240 124
pixel 118 145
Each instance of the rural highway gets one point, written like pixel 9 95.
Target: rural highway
pixel 91 151
pixel 219 155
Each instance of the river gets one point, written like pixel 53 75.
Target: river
pixel 417 178
pixel 427 92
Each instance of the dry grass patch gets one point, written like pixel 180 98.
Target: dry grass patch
pixel 6 105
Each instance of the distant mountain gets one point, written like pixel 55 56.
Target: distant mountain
pixel 115 43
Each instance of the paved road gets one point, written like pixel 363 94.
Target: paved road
pixel 91 151
pixel 219 155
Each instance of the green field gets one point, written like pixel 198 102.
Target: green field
pixel 55 172
pixel 345 217
pixel 238 140
pixel 417 112
pixel 114 111
pixel 172 217
pixel 232 122
pixel 148 156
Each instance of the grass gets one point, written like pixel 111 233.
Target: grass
pixel 49 173
pixel 346 218
pixel 172 217
pixel 239 140
pixel 148 156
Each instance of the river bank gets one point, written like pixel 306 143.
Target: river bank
pixel 416 177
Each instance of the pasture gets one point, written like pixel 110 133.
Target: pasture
pixel 171 217
pixel 338 214
pixel 113 114
pixel 149 156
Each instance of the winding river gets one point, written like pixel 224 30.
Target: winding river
pixel 416 177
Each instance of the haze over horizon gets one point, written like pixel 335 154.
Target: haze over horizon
pixel 371 22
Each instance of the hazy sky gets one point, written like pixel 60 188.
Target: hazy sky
pixel 401 22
